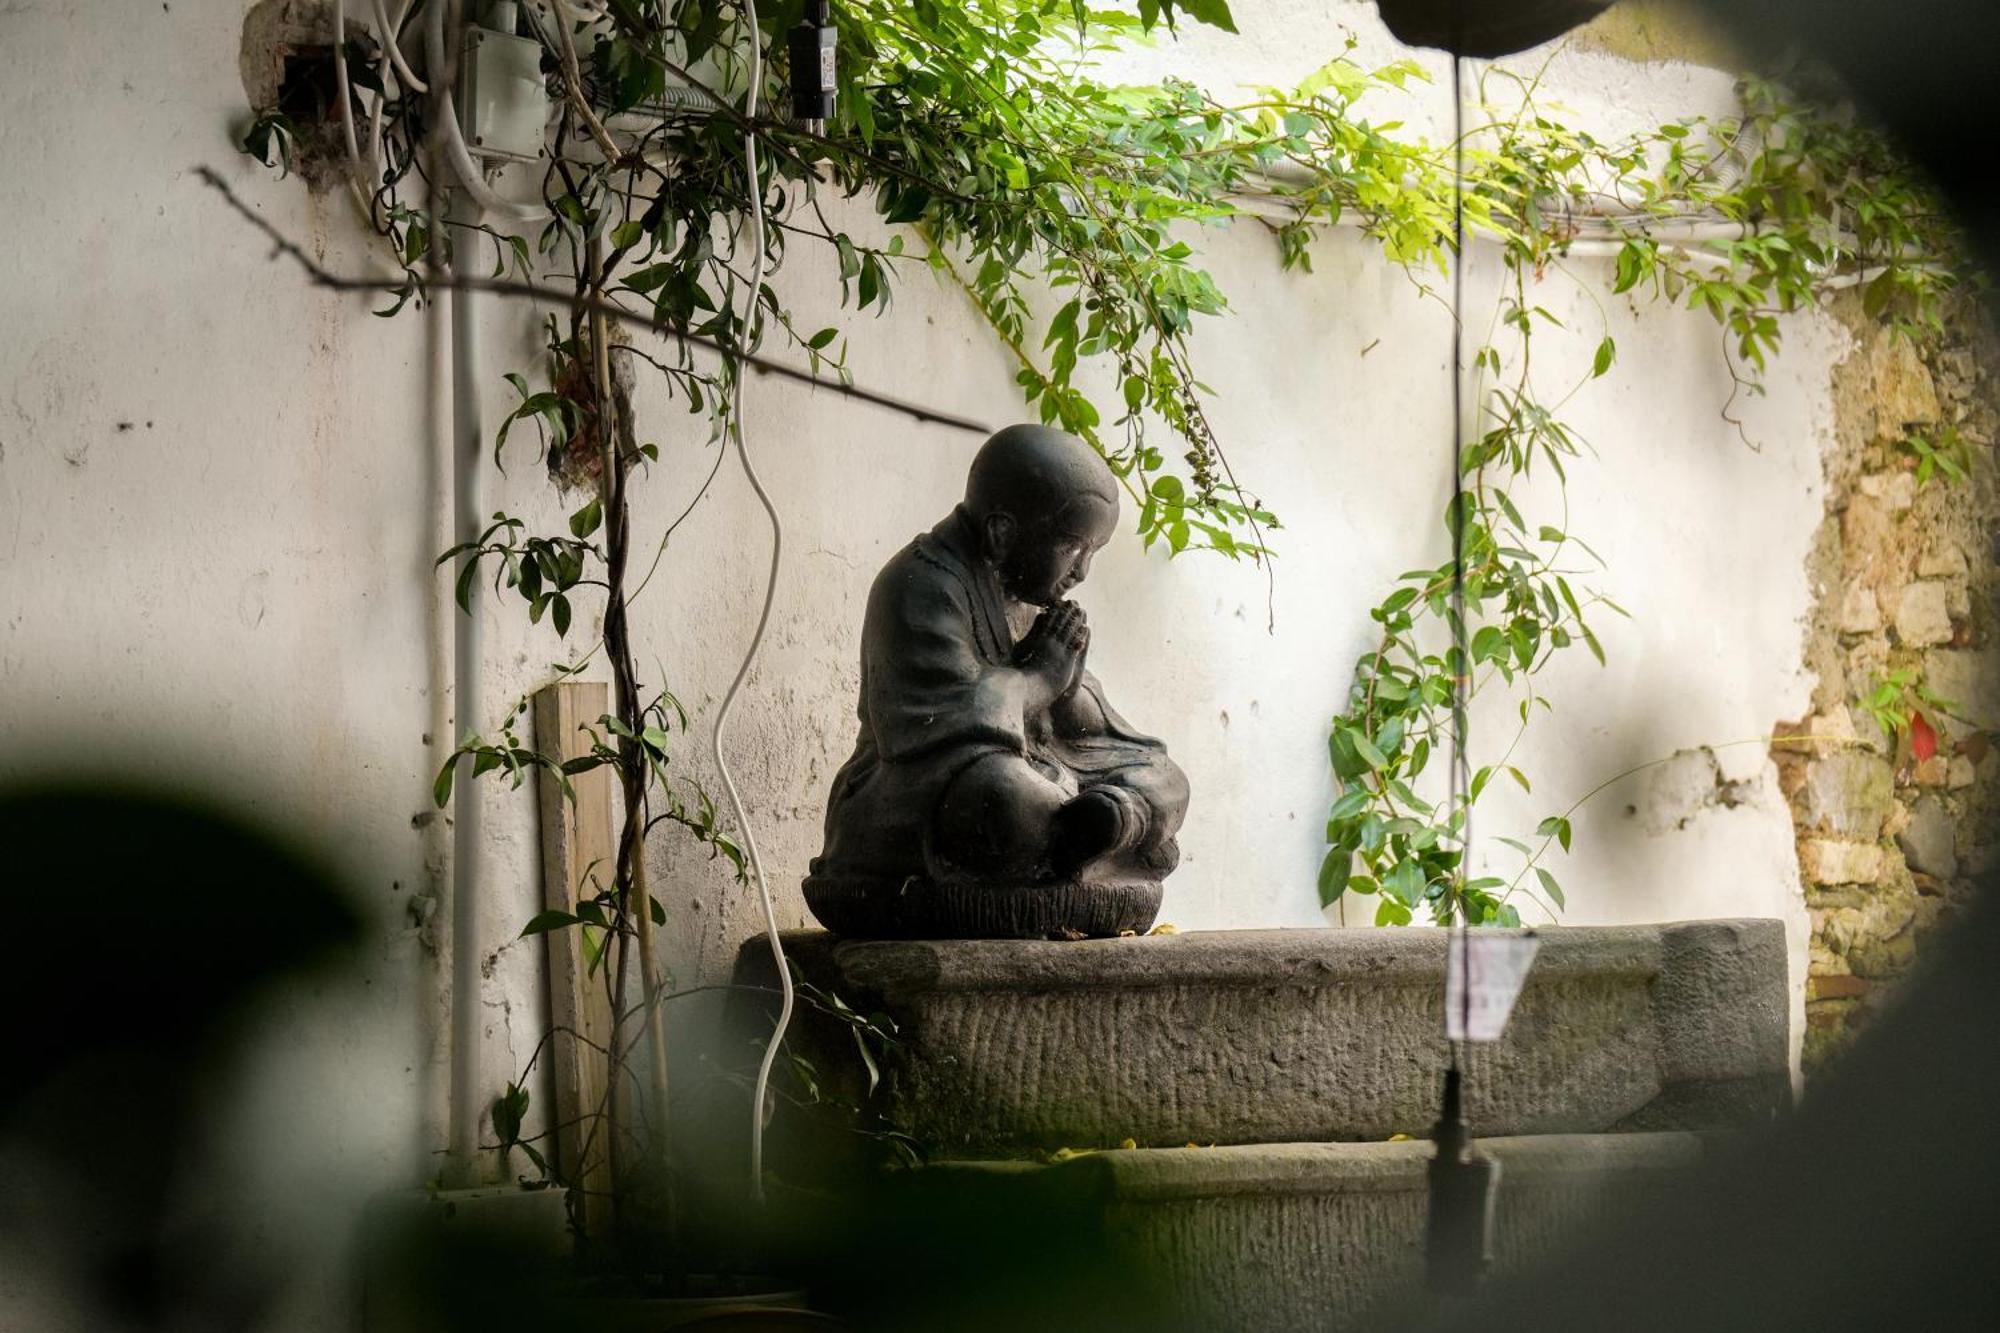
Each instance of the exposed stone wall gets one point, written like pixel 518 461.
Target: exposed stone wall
pixel 1891 840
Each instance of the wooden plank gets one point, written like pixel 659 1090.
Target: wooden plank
pixel 578 852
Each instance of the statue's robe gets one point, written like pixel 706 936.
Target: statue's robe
pixel 934 700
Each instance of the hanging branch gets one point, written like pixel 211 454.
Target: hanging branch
pixel 319 276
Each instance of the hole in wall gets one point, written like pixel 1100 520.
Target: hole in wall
pixel 286 62
pixel 307 92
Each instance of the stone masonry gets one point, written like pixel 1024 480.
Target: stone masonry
pixel 1891 839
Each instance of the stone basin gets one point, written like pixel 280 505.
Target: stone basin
pixel 1009 1048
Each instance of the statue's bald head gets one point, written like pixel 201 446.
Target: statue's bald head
pixel 1043 502
pixel 1034 471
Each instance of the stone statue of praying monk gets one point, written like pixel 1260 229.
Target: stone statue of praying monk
pixel 993 791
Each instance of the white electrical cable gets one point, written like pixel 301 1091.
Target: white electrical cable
pixel 387 35
pixel 340 83
pixel 364 173
pixel 762 1087
pixel 445 113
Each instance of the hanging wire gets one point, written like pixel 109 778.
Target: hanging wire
pixel 1459 796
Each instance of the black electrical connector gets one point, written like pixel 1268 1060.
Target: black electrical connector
pixel 810 45
pixel 1458 1246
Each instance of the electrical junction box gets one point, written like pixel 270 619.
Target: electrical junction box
pixel 505 106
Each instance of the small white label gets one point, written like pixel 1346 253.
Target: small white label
pixel 1493 976
pixel 826 62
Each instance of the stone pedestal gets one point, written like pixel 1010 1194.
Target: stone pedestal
pixel 1306 1035
pixel 1312 1237
pixel 1258 1074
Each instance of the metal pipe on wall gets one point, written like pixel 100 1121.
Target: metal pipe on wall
pixel 468 850
pixel 463 211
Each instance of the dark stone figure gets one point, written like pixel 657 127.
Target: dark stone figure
pixel 993 791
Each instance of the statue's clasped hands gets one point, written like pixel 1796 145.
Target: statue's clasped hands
pixel 1054 647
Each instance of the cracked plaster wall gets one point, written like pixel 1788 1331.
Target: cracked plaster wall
pixel 219 503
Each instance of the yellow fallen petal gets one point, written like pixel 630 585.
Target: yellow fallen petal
pixel 1398 1138
pixel 1164 928
pixel 1129 1143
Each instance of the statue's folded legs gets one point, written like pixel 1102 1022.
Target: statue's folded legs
pixel 1004 819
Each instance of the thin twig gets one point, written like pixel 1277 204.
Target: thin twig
pixel 321 277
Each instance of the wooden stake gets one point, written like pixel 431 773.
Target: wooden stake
pixel 579 855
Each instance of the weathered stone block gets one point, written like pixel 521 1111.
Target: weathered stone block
pixel 1859 611
pixel 1868 731
pixel 1879 916
pixel 1970 678
pixel 1306 1035
pixel 1896 489
pixel 1944 560
pixel 1923 614
pixel 1836 986
pixel 1898 820
pixel 1313 1236
pixel 1889 957
pixel 1825 861
pixel 1867 662
pixel 1929 842
pixel 1904 392
pixel 1849 793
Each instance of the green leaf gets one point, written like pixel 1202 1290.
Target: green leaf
pixel 1607 352
pixel 1877 295
pixel 441 788
pixel 1215 13
pixel 552 919
pixel 586 520
pixel 1405 882
pixel 509 1110
pixel 1550 887
pixel 1333 876
pixel 1351 803
pixel 1557 827
pixel 651 278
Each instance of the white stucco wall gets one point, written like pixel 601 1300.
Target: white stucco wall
pixel 219 506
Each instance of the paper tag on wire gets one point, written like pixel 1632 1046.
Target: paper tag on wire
pixel 1493 976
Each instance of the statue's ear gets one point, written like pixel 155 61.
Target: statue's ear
pixel 999 534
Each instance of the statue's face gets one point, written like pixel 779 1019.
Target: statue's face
pixel 1042 562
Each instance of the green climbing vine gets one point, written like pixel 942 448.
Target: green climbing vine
pixel 1791 203
pixel 1067 207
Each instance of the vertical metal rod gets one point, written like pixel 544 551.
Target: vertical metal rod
pixel 1460 779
